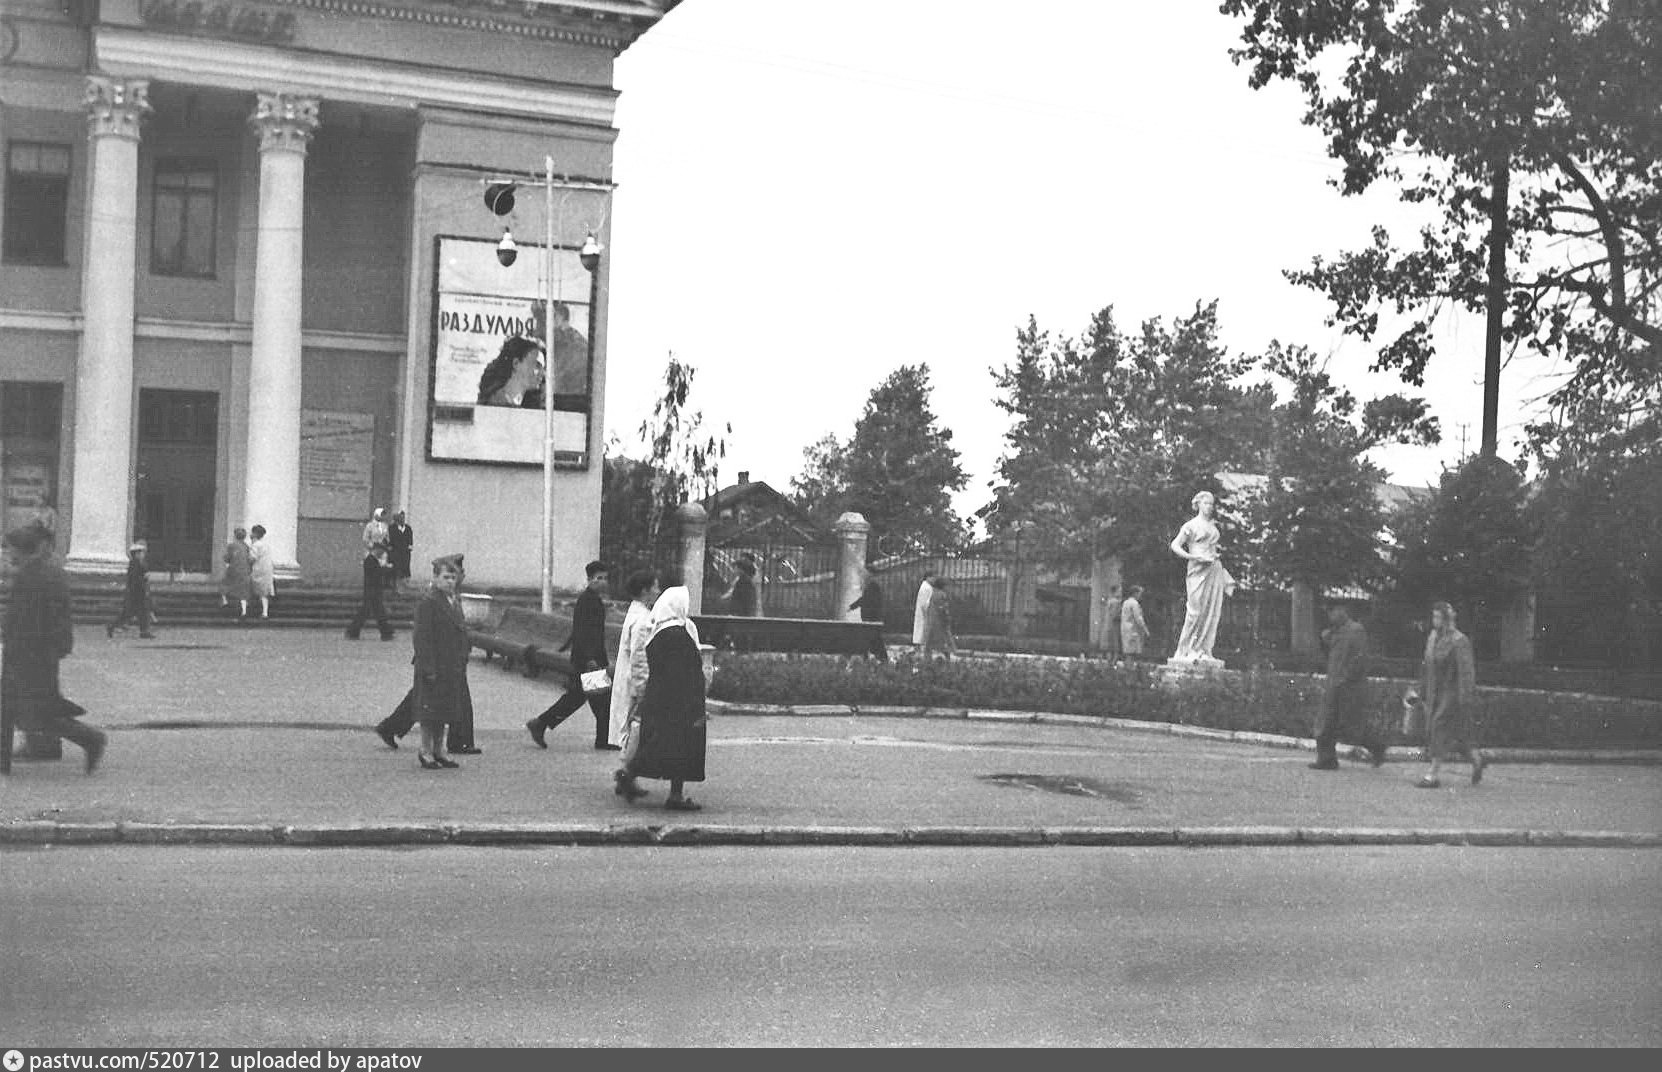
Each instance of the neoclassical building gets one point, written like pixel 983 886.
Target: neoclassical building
pixel 248 274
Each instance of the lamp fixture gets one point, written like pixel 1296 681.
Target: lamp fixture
pixel 506 251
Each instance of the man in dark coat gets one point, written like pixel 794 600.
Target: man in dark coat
pixel 38 634
pixel 400 541
pixel 377 569
pixel 870 606
pixel 403 717
pixel 135 603
pixel 587 645
pixel 1344 702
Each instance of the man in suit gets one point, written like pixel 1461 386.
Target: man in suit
pixel 397 724
pixel 587 645
pixel 1344 701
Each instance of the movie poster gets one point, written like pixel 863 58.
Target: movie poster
pixel 490 373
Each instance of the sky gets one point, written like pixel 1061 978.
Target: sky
pixel 814 193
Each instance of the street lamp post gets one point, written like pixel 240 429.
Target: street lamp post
pixel 499 199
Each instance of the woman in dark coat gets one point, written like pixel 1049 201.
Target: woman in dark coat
pixel 400 539
pixel 38 634
pixel 239 572
pixel 667 676
pixel 441 649
pixel 1448 696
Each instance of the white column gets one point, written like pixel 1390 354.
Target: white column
pixel 271 484
pixel 852 531
pixel 101 489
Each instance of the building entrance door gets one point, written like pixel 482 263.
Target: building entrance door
pixel 178 463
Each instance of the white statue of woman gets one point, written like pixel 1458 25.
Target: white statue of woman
pixel 1209 582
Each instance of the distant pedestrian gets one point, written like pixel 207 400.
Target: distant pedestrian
pixel 38 635
pixel 1111 622
pixel 1133 628
pixel 920 610
pixel 135 601
pixel 400 541
pixel 375 529
pixel 441 651
pixel 870 606
pixel 587 644
pixel 667 679
pixel 1344 708
pixel 937 637
pixel 262 572
pixel 377 568
pixel 239 568
pixel 643 591
pixel 741 597
pixel 1446 698
pixel 403 717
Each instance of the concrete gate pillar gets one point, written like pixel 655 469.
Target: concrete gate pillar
pixel 852 532
pixel 691 523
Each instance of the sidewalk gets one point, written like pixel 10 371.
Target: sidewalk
pixel 263 737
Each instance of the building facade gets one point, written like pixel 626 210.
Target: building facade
pixel 248 275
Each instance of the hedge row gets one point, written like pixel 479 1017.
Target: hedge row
pixel 1261 701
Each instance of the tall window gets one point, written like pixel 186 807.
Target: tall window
pixel 29 416
pixel 37 203
pixel 182 227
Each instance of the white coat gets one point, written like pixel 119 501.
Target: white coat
pixel 637 630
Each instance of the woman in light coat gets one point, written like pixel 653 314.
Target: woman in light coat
pixel 262 572
pixel 637 630
pixel 1447 698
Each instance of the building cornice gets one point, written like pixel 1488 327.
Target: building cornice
pixel 610 24
pixel 213 331
pixel 253 68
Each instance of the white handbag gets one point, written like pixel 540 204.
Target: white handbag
pixel 595 681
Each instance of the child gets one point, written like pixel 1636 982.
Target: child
pixel 135 604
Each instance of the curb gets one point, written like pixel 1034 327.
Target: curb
pixel 374 835
pixel 1636 756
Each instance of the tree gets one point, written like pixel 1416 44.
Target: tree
pixel 1316 519
pixel 1533 131
pixel 627 501
pixel 1113 435
pixel 684 460
pixel 898 469
pixel 1470 544
pixel 821 488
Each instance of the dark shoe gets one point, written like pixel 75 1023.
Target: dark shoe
pixel 1376 755
pixel 683 804
pixel 607 747
pixel 387 737
pixel 1478 763
pixel 95 752
pixel 447 763
pixel 537 731
pixel 626 786
pixel 1325 764
pixel 465 750
pixel 427 762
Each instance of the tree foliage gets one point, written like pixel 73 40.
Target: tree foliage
pixel 1316 518
pixel 1471 544
pixel 683 457
pixel 1112 435
pixel 898 469
pixel 1441 96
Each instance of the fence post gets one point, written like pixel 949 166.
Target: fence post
pixel 1106 583
pixel 690 523
pixel 852 532
pixel 1304 638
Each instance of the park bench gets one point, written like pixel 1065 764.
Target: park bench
pixel 524 638
pixel 728 632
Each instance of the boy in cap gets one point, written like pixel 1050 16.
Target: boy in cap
pixel 135 603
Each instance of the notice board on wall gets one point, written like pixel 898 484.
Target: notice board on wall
pixel 337 464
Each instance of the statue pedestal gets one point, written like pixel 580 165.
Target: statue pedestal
pixel 1194 663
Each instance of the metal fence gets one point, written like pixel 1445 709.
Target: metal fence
pixel 792 581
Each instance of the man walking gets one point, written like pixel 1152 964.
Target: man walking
pixel 587 645
pixel 377 570
pixel 1344 702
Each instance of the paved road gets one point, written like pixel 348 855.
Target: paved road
pixel 654 946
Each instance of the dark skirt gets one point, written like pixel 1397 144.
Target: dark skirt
pixel 447 701
pixel 672 724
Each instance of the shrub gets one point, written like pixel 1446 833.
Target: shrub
pixel 1260 700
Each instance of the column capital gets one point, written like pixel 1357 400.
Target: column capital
pixel 284 121
pixel 115 106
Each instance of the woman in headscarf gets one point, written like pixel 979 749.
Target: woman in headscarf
pixel 376 530
pixel 239 571
pixel 668 679
pixel 1447 697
